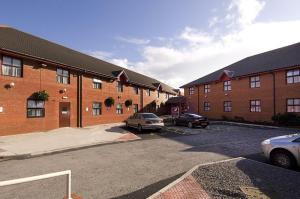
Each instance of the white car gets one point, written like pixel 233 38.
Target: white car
pixel 283 151
pixel 145 121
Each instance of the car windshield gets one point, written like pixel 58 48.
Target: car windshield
pixel 149 116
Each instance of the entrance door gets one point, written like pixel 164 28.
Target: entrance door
pixel 64 114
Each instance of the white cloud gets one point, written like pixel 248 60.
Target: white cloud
pixel 194 36
pixel 133 40
pixel 205 53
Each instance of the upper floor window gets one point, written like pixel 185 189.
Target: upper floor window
pixel 206 106
pixel 191 90
pixel 119 86
pixel 293 105
pixel 136 90
pixel 135 108
pixel 148 91
pixel 227 106
pixel 119 109
pixel 293 76
pixel 167 96
pixel 97 108
pixel 255 106
pixel 35 108
pixel 62 76
pixel 206 88
pixel 227 85
pixel 97 83
pixel 254 82
pixel 11 66
pixel 158 94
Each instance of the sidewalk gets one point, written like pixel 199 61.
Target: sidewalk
pixel 38 143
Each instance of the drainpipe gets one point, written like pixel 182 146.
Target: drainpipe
pixel 79 100
pixel 274 94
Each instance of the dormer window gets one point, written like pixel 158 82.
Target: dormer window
pixel 227 85
pixel 148 91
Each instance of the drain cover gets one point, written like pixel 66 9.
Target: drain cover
pixel 256 193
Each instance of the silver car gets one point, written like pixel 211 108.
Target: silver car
pixel 145 121
pixel 283 151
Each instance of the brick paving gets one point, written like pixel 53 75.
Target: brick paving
pixel 188 188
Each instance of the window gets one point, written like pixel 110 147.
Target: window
pixel 293 105
pixel 254 82
pixel 167 96
pixel 227 106
pixel 206 88
pixel 11 67
pixel 293 76
pixel 157 107
pixel 97 108
pixel 255 106
pixel 119 87
pixel 148 92
pixel 119 109
pixel 191 90
pixel 97 84
pixel 136 90
pixel 158 94
pixel 62 76
pixel 135 108
pixel 206 106
pixel 35 108
pixel 227 85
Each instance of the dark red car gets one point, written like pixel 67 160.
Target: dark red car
pixel 191 120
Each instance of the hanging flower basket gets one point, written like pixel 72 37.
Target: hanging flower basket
pixel 109 102
pixel 40 95
pixel 128 103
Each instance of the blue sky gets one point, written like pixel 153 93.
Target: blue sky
pixel 173 40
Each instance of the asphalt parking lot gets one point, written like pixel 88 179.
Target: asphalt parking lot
pixel 133 169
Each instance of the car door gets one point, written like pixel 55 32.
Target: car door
pixel 133 120
pixel 181 119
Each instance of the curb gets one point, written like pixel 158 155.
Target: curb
pixel 245 125
pixel 62 150
pixel 189 173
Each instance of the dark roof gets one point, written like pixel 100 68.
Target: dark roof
pixel 268 61
pixel 176 100
pixel 27 44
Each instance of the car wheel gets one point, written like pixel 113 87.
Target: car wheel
pixel 283 159
pixel 140 128
pixel 190 125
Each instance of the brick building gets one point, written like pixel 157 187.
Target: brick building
pixel 252 89
pixel 77 85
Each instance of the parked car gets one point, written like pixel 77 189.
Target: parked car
pixel 145 121
pixel 283 151
pixel 191 120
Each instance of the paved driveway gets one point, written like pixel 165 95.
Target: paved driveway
pixel 118 169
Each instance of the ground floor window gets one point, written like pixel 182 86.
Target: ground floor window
pixel 97 108
pixel 293 105
pixel 35 108
pixel 119 109
pixel 255 106
pixel 135 108
pixel 206 106
pixel 227 106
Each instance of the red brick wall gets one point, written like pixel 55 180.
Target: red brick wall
pixel 241 94
pixel 14 119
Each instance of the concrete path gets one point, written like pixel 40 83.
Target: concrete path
pixel 62 139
